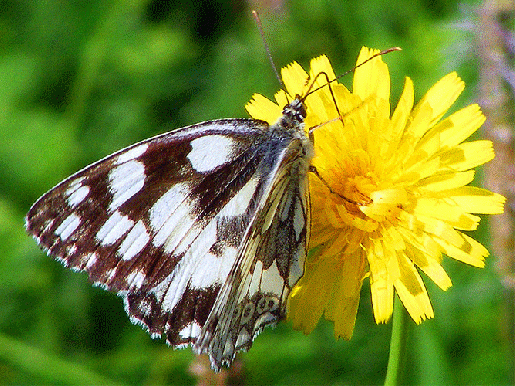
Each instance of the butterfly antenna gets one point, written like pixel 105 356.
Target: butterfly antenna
pixel 383 52
pixel 267 48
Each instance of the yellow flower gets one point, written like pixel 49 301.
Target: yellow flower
pixel 391 194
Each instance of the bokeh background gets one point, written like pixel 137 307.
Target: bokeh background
pixel 80 79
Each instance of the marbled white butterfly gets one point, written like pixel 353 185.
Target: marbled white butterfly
pixel 202 230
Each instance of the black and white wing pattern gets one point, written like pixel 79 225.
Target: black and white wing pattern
pixel 202 230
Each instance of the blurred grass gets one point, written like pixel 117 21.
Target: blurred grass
pixel 80 79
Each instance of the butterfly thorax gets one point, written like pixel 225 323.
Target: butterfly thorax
pixel 291 126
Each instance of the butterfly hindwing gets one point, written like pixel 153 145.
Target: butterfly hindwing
pixel 270 263
pixel 202 230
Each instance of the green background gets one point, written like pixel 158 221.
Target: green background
pixel 81 79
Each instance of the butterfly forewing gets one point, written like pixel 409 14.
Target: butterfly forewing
pixel 146 194
pixel 202 230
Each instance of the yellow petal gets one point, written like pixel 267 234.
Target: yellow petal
pixel 439 229
pixel 418 168
pixel 442 95
pixel 421 119
pixel 322 70
pixel 400 117
pixel 262 108
pixel 282 99
pixel 372 78
pixel 470 251
pixel 411 290
pixel 459 126
pixel 381 284
pixel 476 200
pixel 446 181
pixel 468 155
pixel 431 267
pixel 343 304
pixel 309 297
pixel 294 78
pixel 446 210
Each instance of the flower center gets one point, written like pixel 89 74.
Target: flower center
pixel 361 203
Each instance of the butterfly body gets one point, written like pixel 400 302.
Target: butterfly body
pixel 202 230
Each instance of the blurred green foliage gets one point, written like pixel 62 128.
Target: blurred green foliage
pixel 80 79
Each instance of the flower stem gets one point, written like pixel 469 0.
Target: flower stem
pixel 396 360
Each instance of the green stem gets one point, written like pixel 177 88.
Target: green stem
pixel 396 360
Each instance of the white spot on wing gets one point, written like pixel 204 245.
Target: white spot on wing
pixel 172 219
pixel 297 266
pixel 248 279
pixel 110 273
pixel 286 208
pixel 264 320
pixel 134 242
pixel 92 259
pixel 68 226
pixel 209 152
pixel 271 280
pixel 114 228
pixel 192 268
pixel 241 200
pixel 47 224
pixel 126 180
pixel 167 204
pixel 214 269
pixel 131 154
pixel 76 197
pixel 182 242
pixel 191 330
pixel 144 307
pixel 276 200
pixel 243 339
pixel 298 219
pixel 160 289
pixel 256 279
pixel 135 279
pixel 74 185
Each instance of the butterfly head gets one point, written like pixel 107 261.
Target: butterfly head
pixel 294 114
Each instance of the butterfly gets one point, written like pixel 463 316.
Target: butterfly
pixel 202 230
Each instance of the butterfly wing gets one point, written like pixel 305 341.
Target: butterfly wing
pixel 167 223
pixel 270 262
pixel 132 209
